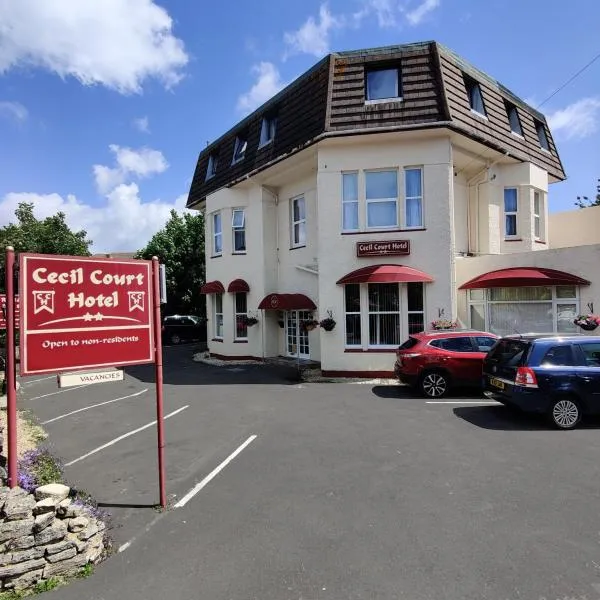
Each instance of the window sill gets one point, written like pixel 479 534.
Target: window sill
pixel 220 340
pixel 268 143
pixel 239 253
pixel 546 151
pixel 479 115
pixel 377 101
pixel 240 341
pixel 372 231
pixel 238 161
pixel 297 247
pixel 370 350
pixel 517 135
pixel 513 239
pixel 209 178
pixel 540 242
pixel 216 255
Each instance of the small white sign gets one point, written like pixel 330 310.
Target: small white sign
pixel 71 379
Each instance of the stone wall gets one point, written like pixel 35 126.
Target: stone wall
pixel 45 534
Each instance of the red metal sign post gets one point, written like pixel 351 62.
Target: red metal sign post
pixel 158 366
pixel 11 384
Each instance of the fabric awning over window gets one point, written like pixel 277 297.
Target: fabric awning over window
pixel 385 274
pixel 287 302
pixel 238 285
pixel 212 287
pixel 521 277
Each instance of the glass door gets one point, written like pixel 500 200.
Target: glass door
pixel 296 337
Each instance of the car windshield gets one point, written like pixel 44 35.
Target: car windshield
pixel 509 352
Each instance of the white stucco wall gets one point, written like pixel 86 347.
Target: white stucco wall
pixel 583 261
pixel 574 227
pixel 431 248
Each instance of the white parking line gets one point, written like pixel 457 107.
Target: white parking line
pixel 30 381
pixel 78 387
pixel 480 402
pixel 74 412
pixel 124 436
pixel 213 473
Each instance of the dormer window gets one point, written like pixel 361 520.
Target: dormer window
pixel 542 137
pixel 475 96
pixel 267 130
pixel 383 85
pixel 513 119
pixel 211 170
pixel 239 151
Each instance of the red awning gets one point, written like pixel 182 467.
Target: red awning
pixel 212 287
pixel 385 274
pixel 287 302
pixel 521 277
pixel 238 285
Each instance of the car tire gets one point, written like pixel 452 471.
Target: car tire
pixel 175 339
pixel 565 413
pixel 434 384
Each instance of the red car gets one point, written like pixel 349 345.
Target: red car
pixel 434 361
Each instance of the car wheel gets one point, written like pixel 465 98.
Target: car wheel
pixel 565 413
pixel 434 384
pixel 175 339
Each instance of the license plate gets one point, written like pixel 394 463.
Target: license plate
pixel 497 383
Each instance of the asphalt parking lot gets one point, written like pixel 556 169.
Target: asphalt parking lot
pixel 336 490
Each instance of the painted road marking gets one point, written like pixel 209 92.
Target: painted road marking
pixel 124 436
pixel 74 412
pixel 479 402
pixel 213 473
pixel 30 381
pixel 60 392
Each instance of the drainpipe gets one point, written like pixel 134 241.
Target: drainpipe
pixel 487 179
pixel 276 199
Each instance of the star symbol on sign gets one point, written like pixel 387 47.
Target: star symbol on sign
pixel 87 317
pixel 99 316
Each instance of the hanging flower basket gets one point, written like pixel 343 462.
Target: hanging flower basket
pixel 309 324
pixel 249 321
pixel 587 322
pixel 444 324
pixel 327 324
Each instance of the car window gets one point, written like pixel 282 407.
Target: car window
pixel 591 353
pixel 558 356
pixel 454 344
pixel 509 352
pixel 484 343
pixel 409 343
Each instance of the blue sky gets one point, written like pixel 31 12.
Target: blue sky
pixel 105 106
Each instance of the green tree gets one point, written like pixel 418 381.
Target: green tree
pixel 180 247
pixel 585 202
pixel 47 236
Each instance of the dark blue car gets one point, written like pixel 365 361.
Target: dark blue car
pixel 551 375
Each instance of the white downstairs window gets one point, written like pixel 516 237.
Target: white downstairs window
pixel 238 226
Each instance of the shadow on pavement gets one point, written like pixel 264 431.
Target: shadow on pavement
pixel 180 369
pixel 405 392
pixel 503 418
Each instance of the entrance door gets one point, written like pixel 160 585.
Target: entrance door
pixel 296 337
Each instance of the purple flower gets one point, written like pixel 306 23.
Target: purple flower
pixel 27 481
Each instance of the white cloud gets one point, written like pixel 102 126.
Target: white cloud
pixel 576 121
pixel 140 163
pixel 268 83
pixel 13 110
pixel 119 44
pixel 123 223
pixel 415 16
pixel 312 37
pixel 142 124
pixel 384 10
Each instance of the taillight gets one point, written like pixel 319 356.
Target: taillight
pixel 526 378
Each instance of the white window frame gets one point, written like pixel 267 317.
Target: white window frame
pixel 540 128
pixel 268 128
pixel 211 169
pixel 537 215
pixel 239 149
pixel 237 314
pixel 401 303
pixel 381 200
pixel 217 234
pixel 235 228
pixel 506 213
pixel 396 98
pixel 406 198
pixel 300 222
pixel 354 312
pixel 470 85
pixel 356 202
pixel 216 314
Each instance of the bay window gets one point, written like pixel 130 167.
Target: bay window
pixel 352 308
pixel 537 214
pixel 381 191
pixel 510 212
pixel 217 232
pixel 298 222
pixel 384 314
pixel 240 314
pixel 413 197
pixel 350 201
pixel 218 316
pixel 238 226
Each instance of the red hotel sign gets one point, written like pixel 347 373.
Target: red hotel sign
pixel 389 248
pixel 80 313
pixel 3 311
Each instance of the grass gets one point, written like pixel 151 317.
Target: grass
pixel 47 585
